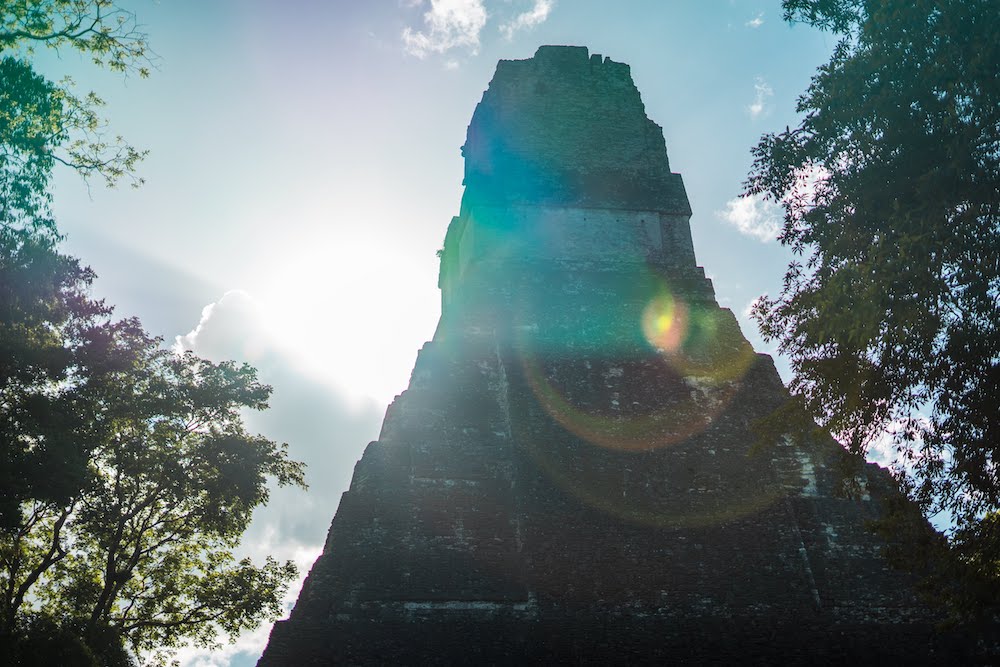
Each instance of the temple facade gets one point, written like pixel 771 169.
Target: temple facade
pixel 571 476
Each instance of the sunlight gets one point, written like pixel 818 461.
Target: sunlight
pixel 352 314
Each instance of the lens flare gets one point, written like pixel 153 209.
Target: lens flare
pixel 648 373
pixel 664 322
pixel 648 424
pixel 667 393
pixel 699 340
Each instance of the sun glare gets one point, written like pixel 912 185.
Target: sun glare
pixel 353 316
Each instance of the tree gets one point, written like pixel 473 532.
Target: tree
pixel 126 475
pixel 44 317
pixel 891 193
pixel 43 123
pixel 143 548
pixel 45 313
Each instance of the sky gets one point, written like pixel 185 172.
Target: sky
pixel 304 164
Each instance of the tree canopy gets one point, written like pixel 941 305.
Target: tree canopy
pixel 143 547
pixel 44 122
pixel 51 349
pixel 126 477
pixel 891 192
pixel 126 474
pixel 51 331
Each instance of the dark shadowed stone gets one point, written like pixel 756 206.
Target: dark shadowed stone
pixel 564 129
pixel 569 477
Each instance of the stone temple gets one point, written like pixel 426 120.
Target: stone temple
pixel 570 476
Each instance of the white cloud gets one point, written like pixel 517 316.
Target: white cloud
pixel 756 21
pixel 448 24
pixel 762 93
pixel 754 216
pixel 763 219
pixel 529 19
pixel 229 328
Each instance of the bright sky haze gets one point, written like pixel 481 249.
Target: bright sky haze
pixel 304 164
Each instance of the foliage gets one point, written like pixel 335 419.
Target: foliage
pixel 891 190
pixel 175 482
pixel 139 539
pixel 43 123
pixel 50 349
pixel 44 641
pixel 100 29
pixel 126 474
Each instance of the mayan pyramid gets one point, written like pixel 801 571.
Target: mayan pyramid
pixel 569 477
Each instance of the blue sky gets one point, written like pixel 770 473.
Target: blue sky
pixel 304 164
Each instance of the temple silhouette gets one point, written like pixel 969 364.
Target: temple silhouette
pixel 571 476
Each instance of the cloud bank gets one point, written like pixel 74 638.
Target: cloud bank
pixel 754 216
pixel 447 25
pixel 228 329
pixel 455 24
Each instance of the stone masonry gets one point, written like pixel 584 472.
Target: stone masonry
pixel 570 476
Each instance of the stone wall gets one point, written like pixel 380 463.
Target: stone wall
pixel 567 129
pixel 570 476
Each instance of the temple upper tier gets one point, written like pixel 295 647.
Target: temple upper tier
pixel 566 128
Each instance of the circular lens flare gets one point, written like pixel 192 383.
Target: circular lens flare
pixel 633 397
pixel 667 422
pixel 665 322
